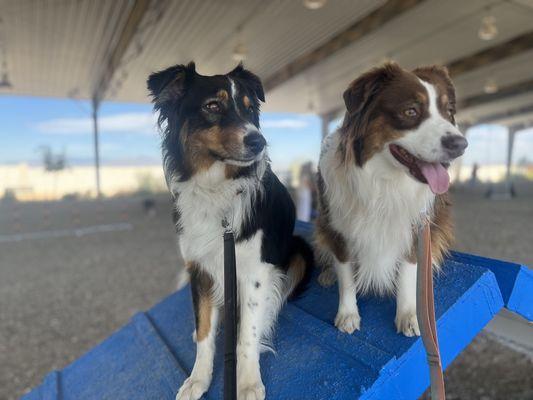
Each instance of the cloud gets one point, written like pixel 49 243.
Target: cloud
pixel 77 148
pixel 285 123
pixel 139 122
pixel 136 122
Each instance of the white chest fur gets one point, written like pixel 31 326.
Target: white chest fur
pixel 375 208
pixel 203 202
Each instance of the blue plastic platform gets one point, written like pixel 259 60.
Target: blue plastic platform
pixel 151 356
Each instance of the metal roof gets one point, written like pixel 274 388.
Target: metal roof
pixel 62 48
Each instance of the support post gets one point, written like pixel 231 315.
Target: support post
pixel 510 146
pixel 136 9
pixel 457 164
pixel 326 119
pixel 324 128
pixel 95 105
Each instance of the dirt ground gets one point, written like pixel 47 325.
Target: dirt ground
pixel 62 294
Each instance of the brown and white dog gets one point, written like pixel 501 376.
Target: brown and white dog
pixel 379 175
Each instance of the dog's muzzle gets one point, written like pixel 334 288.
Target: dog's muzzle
pixel 254 142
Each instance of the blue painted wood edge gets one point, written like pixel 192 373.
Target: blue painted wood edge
pixel 52 386
pixel 174 374
pixel 50 389
pixel 396 380
pixel 457 327
pixel 515 281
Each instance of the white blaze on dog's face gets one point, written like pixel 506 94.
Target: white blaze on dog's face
pixel 407 118
pixel 434 143
pixel 208 119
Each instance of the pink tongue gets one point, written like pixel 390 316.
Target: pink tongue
pixel 436 176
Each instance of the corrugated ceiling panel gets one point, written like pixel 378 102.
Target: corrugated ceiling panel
pixel 53 46
pixel 506 72
pixel 417 38
pixel 274 33
pixel 497 108
pixel 57 47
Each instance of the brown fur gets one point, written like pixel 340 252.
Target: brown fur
pixel 246 101
pixel 297 268
pixel 379 133
pixel 440 78
pixel 231 171
pixel 223 95
pixel 441 228
pixel 201 146
pixel 325 234
pixel 201 287
pixel 366 128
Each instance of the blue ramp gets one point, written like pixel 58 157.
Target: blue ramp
pixel 151 356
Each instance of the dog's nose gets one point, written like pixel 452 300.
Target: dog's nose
pixel 454 145
pixel 255 142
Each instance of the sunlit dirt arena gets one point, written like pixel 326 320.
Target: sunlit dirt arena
pixel 65 290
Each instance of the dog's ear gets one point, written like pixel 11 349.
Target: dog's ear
pixel 363 90
pixel 436 72
pixel 169 84
pixel 249 79
pixel 360 99
pixel 440 75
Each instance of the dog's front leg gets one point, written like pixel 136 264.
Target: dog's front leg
pixel 259 305
pixel 406 321
pixel 347 319
pixel 206 315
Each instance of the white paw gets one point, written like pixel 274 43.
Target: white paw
pixel 255 391
pixel 192 389
pixel 348 322
pixel 407 323
pixel 327 277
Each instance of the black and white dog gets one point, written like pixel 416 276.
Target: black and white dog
pixel 217 168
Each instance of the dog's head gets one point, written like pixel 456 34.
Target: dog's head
pixel 208 118
pixel 405 117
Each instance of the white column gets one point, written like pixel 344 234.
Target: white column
pixel 95 105
pixel 325 120
pixel 457 164
pixel 510 146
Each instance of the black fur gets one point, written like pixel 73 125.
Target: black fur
pixel 274 213
pixel 178 94
pixel 176 219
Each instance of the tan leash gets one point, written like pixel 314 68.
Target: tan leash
pixel 425 311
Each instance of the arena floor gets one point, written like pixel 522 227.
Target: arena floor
pixel 65 290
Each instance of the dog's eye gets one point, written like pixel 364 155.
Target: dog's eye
pixel 410 112
pixel 212 106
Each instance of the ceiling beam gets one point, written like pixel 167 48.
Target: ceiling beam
pixel 512 47
pixel 373 21
pixel 135 16
pixel 515 113
pixel 503 93
pixel 486 57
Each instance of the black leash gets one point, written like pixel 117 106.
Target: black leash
pixel 230 314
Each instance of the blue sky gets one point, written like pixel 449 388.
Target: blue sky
pixel 128 134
